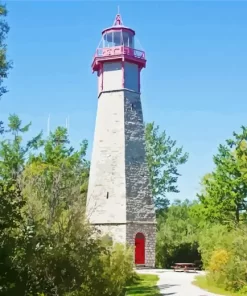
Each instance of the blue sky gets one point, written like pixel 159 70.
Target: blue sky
pixel 194 86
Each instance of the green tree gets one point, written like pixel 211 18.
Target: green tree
pixel 13 152
pixel 1 128
pixel 57 176
pixel 163 158
pixel 224 193
pixel 4 64
pixel 177 236
pixel 11 203
pixel 224 255
pixel 63 255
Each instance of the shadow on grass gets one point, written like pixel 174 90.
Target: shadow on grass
pixel 147 291
pixel 142 287
pixel 167 286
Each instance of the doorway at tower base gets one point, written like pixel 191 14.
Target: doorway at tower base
pixel 143 238
pixel 140 236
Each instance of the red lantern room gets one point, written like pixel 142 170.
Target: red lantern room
pixel 118 44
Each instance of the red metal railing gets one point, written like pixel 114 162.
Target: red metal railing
pixel 119 50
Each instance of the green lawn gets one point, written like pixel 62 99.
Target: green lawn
pixel 201 282
pixel 144 286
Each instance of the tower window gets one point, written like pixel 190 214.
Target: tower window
pixel 132 107
pixel 107 195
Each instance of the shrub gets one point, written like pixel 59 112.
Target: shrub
pixel 219 260
pixel 224 254
pixel 118 269
pixel 63 257
pixel 77 264
pixel 46 246
pixel 217 266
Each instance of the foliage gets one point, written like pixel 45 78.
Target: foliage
pixel 225 189
pixel 224 253
pixel 223 243
pixel 56 176
pixel 213 238
pixel 1 127
pixel 12 162
pixel 46 247
pixel 4 64
pixel 13 153
pixel 177 236
pixel 119 269
pixel 218 265
pixel 163 158
pixel 11 203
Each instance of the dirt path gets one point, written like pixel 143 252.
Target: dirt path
pixel 177 283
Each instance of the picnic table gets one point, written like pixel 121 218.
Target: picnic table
pixel 184 267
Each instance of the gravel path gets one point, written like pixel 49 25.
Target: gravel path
pixel 177 283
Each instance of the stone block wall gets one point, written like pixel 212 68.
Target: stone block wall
pixel 139 201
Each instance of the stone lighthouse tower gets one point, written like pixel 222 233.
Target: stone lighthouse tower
pixel 119 200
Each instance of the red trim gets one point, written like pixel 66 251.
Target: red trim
pixel 102 77
pixel 98 61
pixel 139 79
pixel 116 50
pixel 118 20
pixel 118 28
pixel 118 53
pixel 123 81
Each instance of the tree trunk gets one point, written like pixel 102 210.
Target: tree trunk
pixel 237 214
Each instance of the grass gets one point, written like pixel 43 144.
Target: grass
pixel 145 285
pixel 201 282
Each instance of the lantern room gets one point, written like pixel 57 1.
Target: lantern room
pixel 118 43
pixel 118 36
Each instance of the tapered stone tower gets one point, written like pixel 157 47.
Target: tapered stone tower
pixel 119 200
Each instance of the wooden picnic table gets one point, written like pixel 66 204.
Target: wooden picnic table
pixel 184 267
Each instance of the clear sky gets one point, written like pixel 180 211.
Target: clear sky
pixel 194 86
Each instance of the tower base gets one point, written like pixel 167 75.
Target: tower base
pixel 141 236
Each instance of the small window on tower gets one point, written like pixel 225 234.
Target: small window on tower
pixel 132 107
pixel 107 195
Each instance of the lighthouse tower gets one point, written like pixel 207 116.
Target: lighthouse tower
pixel 119 200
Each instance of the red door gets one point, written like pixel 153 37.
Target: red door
pixel 140 248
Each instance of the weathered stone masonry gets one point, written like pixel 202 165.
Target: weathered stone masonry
pixel 140 207
pixel 119 168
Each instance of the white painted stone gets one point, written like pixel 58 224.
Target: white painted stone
pixel 107 172
pixel 116 232
pixel 112 76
